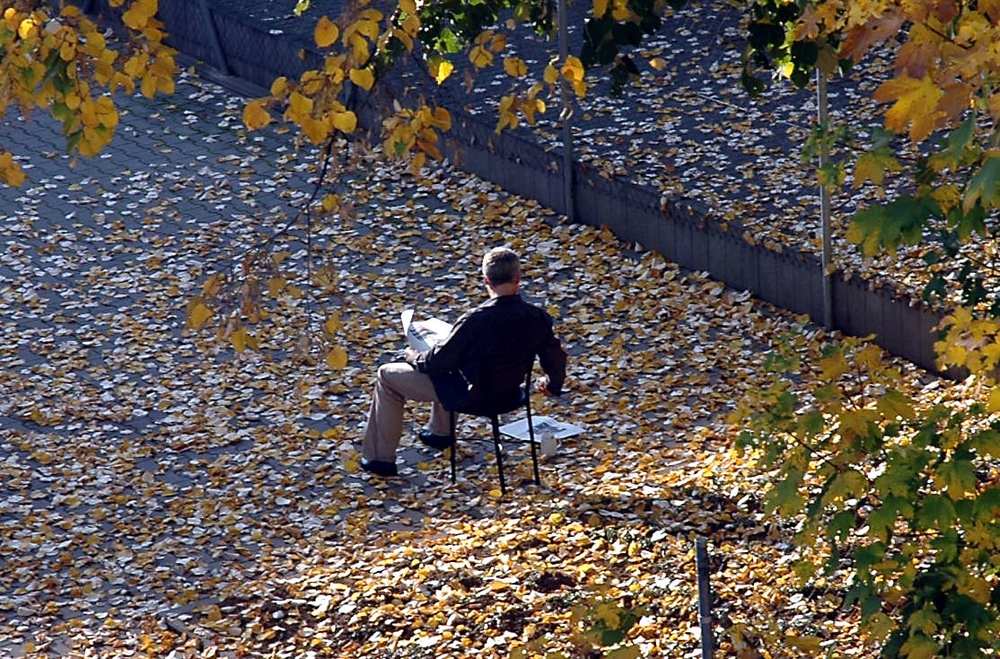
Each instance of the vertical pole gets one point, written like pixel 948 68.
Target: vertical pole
pixel 704 599
pixel 824 203
pixel 567 128
pixel 213 36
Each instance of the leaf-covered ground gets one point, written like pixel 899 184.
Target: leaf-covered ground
pixel 689 129
pixel 163 494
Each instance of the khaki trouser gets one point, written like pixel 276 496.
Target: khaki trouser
pixel 397 383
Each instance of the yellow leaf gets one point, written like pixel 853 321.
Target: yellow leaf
pixel 809 644
pixel 832 367
pixel 255 116
pixel 440 69
pixel 573 69
pixel 316 130
pixel 336 358
pixel 10 171
pixel 869 357
pixel 975 587
pixel 240 339
pixel 345 122
pixel 359 48
pixel 916 102
pixel 330 202
pixel 198 315
pixel 148 85
pixel 418 162
pixel 551 74
pixel 279 87
pixel 363 78
pixel 600 8
pixel 658 63
pixel 275 285
pixel 27 29
pixel 995 98
pixel 331 326
pixel 212 285
pixel 408 6
pixel 515 67
pixel 326 32
pixel 872 167
pixel 441 118
pixel 994 402
pixel 136 18
pixel 299 106
pixel 947 196
pixel 480 57
pixel 625 652
pixel 497 586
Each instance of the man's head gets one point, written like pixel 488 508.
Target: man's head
pixel 501 271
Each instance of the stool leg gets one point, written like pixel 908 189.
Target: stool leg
pixel 454 446
pixel 496 447
pixel 534 451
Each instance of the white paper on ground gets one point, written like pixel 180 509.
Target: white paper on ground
pixel 424 334
pixel 541 425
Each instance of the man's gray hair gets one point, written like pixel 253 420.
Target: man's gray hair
pixel 501 266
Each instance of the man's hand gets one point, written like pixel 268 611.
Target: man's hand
pixel 542 386
pixel 410 355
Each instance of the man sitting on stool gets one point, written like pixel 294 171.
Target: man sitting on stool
pixel 504 329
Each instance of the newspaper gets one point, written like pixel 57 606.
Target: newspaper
pixel 422 335
pixel 542 425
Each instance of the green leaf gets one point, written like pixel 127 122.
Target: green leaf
pixel 865 557
pixel 957 477
pixel 987 505
pixel 919 647
pixel 954 152
pixel 925 620
pixel 785 497
pixel 986 443
pixel 970 612
pixel 937 512
pixel 946 546
pixel 902 466
pixel 984 187
pixel 850 484
pixel 895 404
pixel 611 636
pixel 887 226
pixel 841 525
pixel 811 423
pixel 879 626
pixel 882 519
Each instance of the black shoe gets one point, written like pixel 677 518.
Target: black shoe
pixel 379 468
pixel 439 442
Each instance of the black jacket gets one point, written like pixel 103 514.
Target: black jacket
pixel 483 361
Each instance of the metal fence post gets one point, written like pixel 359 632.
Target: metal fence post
pixel 704 598
pixel 824 203
pixel 567 130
